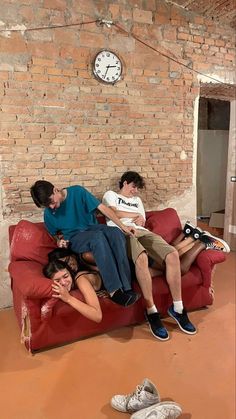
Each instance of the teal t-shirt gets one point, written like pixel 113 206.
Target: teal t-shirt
pixel 76 213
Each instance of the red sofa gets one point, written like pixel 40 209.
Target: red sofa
pixel 47 322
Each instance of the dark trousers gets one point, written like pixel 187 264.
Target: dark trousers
pixel 108 246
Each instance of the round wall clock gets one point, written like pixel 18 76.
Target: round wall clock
pixel 107 67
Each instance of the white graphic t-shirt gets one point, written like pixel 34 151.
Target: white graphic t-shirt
pixel 122 203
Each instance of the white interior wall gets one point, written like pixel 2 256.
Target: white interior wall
pixel 211 170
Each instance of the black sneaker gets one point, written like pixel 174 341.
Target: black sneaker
pixel 156 326
pixel 183 321
pixel 124 298
pixel 190 230
pixel 197 232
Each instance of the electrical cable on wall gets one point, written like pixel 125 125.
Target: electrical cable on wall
pixel 110 23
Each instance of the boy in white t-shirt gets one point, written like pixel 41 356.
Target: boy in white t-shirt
pixel 129 208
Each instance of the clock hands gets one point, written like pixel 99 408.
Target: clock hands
pixel 109 66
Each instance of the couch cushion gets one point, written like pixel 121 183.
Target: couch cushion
pixel 31 241
pixel 28 277
pixel 165 222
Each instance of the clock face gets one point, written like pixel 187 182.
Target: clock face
pixel 107 67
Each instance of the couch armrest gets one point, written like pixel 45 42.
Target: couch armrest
pixel 206 261
pixel 27 276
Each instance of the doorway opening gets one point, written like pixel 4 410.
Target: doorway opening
pixel 212 161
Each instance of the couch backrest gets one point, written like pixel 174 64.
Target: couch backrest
pixel 31 241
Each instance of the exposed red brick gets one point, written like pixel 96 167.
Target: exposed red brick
pixel 60 123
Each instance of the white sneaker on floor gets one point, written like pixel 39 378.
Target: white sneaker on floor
pixel 145 394
pixel 162 410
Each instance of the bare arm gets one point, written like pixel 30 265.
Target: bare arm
pixel 125 214
pixel 91 308
pixel 109 213
pixel 135 216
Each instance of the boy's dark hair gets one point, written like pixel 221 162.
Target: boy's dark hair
pixel 134 177
pixel 41 192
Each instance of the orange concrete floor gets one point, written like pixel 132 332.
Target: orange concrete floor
pixel 77 381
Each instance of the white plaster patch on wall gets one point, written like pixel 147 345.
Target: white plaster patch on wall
pixel 5 285
pixel 8 32
pixel 5 281
pixel 183 155
pixel 184 204
pixel 229 77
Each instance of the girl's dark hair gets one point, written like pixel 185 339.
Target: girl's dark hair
pixel 41 192
pixel 55 266
pixel 130 177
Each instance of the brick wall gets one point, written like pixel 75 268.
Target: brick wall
pixel 57 122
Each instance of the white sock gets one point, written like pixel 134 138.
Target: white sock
pixel 152 309
pixel 178 306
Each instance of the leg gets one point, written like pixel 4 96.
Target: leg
pixel 117 243
pixel 159 250
pixel 97 243
pixel 173 275
pixel 185 249
pixel 88 258
pixel 155 271
pixel 140 259
pixel 189 257
pixel 178 239
pixel 182 244
pixel 144 278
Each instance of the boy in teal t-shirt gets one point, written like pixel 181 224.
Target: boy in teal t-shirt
pixel 71 212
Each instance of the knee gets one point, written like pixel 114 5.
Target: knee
pixel 142 260
pixel 172 258
pixel 98 238
pixel 88 257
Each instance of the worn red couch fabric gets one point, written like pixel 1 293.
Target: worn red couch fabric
pixel 47 322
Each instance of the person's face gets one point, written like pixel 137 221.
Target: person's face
pixel 130 189
pixel 71 262
pixel 64 278
pixel 55 199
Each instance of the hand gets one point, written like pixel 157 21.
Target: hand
pixel 130 231
pixel 60 292
pixel 62 243
pixel 140 221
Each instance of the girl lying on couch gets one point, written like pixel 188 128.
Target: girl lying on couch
pixel 69 271
pixel 65 279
